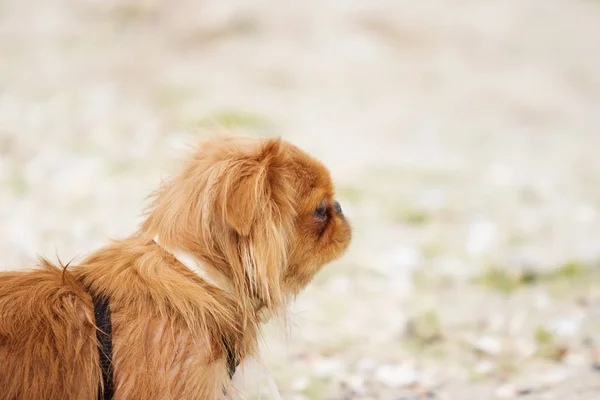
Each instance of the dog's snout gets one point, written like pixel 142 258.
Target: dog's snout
pixel 338 208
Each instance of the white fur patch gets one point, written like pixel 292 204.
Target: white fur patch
pixel 255 381
pixel 208 274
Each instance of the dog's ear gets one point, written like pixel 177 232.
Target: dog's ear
pixel 242 204
pixel 249 186
pixel 259 206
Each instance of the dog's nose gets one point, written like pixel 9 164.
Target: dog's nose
pixel 337 208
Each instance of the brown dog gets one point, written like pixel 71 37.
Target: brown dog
pixel 238 233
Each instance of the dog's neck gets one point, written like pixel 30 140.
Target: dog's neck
pixel 211 275
pixel 248 368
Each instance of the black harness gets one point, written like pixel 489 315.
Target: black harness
pixel 106 390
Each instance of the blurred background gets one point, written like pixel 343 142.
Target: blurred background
pixel 463 136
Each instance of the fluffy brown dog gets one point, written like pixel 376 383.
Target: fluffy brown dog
pixel 240 231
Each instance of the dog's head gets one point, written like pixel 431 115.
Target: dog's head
pixel 260 210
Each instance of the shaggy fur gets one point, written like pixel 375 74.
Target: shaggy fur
pixel 259 212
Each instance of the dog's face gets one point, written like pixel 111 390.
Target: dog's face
pixel 261 210
pixel 321 231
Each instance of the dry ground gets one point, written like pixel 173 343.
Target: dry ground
pixel 463 135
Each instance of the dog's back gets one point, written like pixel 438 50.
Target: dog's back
pixel 48 347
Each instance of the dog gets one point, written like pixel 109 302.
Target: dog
pixel 170 311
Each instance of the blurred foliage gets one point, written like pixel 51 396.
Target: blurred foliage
pixel 425 328
pixel 549 346
pixel 230 118
pixel 508 280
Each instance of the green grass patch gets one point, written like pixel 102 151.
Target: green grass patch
pixel 549 347
pixel 317 389
pixel 499 279
pixel 234 119
pixel 428 279
pixel 410 216
pixel 543 336
pixel 508 280
pixel 118 168
pixel 431 250
pixel 17 184
pixel 570 270
pixel 424 329
pixel 402 176
pixel 351 193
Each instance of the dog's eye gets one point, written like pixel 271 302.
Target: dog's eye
pixel 321 211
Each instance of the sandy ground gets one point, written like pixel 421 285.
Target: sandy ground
pixel 463 136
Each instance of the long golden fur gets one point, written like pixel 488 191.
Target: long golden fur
pixel 259 212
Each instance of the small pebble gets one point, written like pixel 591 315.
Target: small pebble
pixel 396 375
pixel 484 368
pixel 524 392
pixel 300 384
pixel 488 344
pixel 366 365
pixel 356 383
pixel 553 378
pixel 505 391
pixel 328 367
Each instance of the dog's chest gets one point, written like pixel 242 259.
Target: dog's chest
pixel 159 358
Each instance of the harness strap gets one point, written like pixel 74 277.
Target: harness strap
pixel 232 361
pixel 104 335
pixel 102 315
